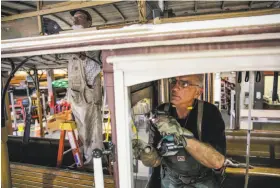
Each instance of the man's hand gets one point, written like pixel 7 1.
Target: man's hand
pixel 168 125
pixel 150 157
pixel 137 147
pixel 146 153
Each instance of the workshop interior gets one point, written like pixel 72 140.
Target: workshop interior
pixel 80 102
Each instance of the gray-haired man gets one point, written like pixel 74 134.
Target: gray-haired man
pixel 200 126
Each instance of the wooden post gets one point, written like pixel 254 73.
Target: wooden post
pixel 6 180
pixel 58 7
pixel 40 25
pixel 142 10
pixel 8 112
pixel 39 106
pixel 7 107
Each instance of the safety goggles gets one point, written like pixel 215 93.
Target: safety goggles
pixel 181 83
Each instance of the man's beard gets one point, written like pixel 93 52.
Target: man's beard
pixel 77 27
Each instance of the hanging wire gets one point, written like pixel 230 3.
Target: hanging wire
pixel 27 71
pixel 4 91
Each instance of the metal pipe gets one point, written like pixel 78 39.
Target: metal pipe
pixel 254 133
pixel 232 108
pixel 97 166
pixel 164 90
pixel 104 101
pixel 251 79
pixel 26 134
pixel 44 105
pixel 253 140
pixel 67 151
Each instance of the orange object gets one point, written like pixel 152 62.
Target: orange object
pixel 55 120
pixel 69 127
pixel 37 129
pixel 64 106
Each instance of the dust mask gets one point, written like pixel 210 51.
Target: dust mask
pixel 77 27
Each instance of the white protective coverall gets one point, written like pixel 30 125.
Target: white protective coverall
pixel 84 94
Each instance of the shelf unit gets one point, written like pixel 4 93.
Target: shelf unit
pixel 223 95
pixel 228 88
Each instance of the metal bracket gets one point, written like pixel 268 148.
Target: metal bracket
pixel 110 151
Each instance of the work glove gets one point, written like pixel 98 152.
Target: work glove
pixel 167 125
pixel 150 157
pixel 146 153
pixel 137 147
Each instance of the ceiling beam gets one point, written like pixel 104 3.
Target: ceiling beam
pixel 43 58
pixel 39 18
pixel 99 14
pixel 61 19
pixel 52 61
pixel 9 10
pixel 44 61
pixel 118 10
pixel 220 16
pixel 142 10
pixel 5 14
pixel 275 4
pixel 22 3
pixel 116 26
pixel 28 64
pixel 70 6
pixel 57 62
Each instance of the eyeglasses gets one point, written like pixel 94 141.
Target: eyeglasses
pixel 181 83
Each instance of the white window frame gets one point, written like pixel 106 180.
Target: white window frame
pixel 131 70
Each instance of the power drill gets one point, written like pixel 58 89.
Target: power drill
pixel 169 145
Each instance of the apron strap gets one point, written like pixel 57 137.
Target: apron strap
pixel 199 118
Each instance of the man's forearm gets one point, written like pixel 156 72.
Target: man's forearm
pixel 205 154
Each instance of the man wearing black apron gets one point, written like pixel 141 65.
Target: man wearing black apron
pixel 201 127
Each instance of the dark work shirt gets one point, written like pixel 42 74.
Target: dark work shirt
pixel 212 128
pixel 212 132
